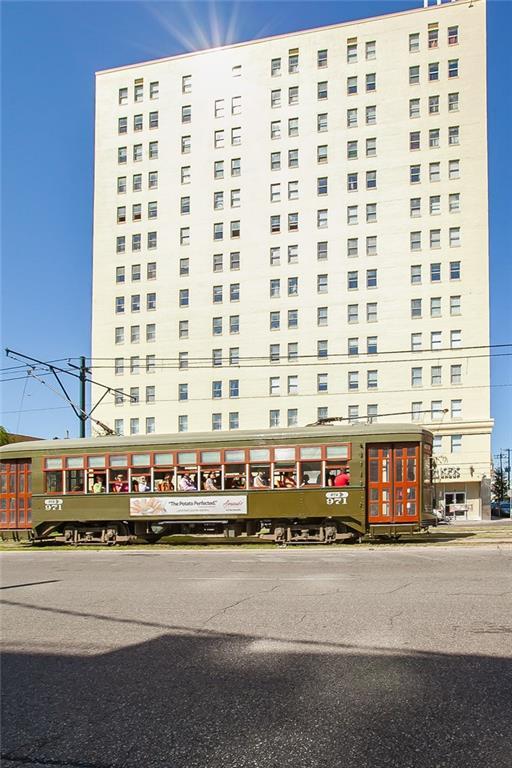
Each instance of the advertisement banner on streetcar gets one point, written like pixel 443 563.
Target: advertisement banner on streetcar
pixel 190 505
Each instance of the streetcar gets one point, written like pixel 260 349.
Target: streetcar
pixel 312 484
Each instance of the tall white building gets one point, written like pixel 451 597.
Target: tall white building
pixel 296 227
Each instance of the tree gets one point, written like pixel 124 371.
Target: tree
pixel 5 437
pixel 499 487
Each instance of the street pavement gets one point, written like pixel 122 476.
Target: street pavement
pixel 308 658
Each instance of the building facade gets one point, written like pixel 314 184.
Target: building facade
pixel 296 228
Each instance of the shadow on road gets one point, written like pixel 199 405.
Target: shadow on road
pixel 205 699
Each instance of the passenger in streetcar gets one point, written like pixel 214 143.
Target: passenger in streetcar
pixel 342 479
pixel 186 483
pixel 210 483
pixel 97 486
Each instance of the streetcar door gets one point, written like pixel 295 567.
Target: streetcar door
pixel 393 483
pixel 380 487
pixel 15 494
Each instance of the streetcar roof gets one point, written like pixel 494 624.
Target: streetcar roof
pixel 333 431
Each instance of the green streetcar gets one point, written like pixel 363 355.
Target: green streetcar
pixel 310 484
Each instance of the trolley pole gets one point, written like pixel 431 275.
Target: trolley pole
pixel 82 413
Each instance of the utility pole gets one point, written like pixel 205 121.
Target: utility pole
pixel 82 414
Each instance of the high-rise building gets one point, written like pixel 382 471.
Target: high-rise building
pixel 295 228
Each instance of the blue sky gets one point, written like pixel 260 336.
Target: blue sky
pixel 50 51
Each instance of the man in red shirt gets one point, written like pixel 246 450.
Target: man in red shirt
pixel 342 479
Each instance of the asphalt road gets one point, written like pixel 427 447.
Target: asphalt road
pixel 211 659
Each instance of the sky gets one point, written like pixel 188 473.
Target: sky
pixel 50 52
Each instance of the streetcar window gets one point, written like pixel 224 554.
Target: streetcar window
pixel 210 457
pixel 311 452
pixel 3 482
pixel 259 475
pixel 187 457
pixel 75 480
pixel 234 475
pixel 96 482
pixel 74 462
pixel 284 454
pixel 119 482
pixel 141 460
pixel 285 475
pixel 310 473
pixel 187 477
pixel 141 480
pixel 374 501
pixel 96 462
pixel 162 459
pixel 53 482
pixel 118 461
pixel 411 502
pixel 48 463
pixel 336 452
pixel 259 454
pixel 235 457
pixel 164 481
pixel 333 469
pixel 211 479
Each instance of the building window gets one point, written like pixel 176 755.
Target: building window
pixel 184 297
pixel 371 115
pixel 433 105
pixel 455 305
pixel 275 98
pixel 456 374
pixel 435 272
pixel 321 219
pixel 275 321
pixel 352 85
pixel 236 166
pixel 185 205
pixel 322 348
pixel 293 190
pixel 433 71
pixel 414 42
pixel 453 135
pixel 433 138
pixel 321 59
pixel 153 150
pixel 352 51
pixel 352 117
pixel 455 443
pixel 321 382
pixel 274 418
pixel 436 340
pixel 415 307
pixel 236 136
pixel 185 174
pixel 353 313
pixel 372 380
pixel 182 423
pixel 293 95
pixel 352 214
pixel 293 222
pixel 414 108
pixel 184 267
pixel 322 284
pixel 414 74
pixel 353 380
pixel 321 90
pixel 454 270
pixel 415 140
pixel 454 237
pixel 453 68
pixel 415 174
pixel 371 212
pixel 322 316
pixel 371 82
pixel 275 67
pixel 435 307
pixel 321 153
pixel 293 318
pixel 453 102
